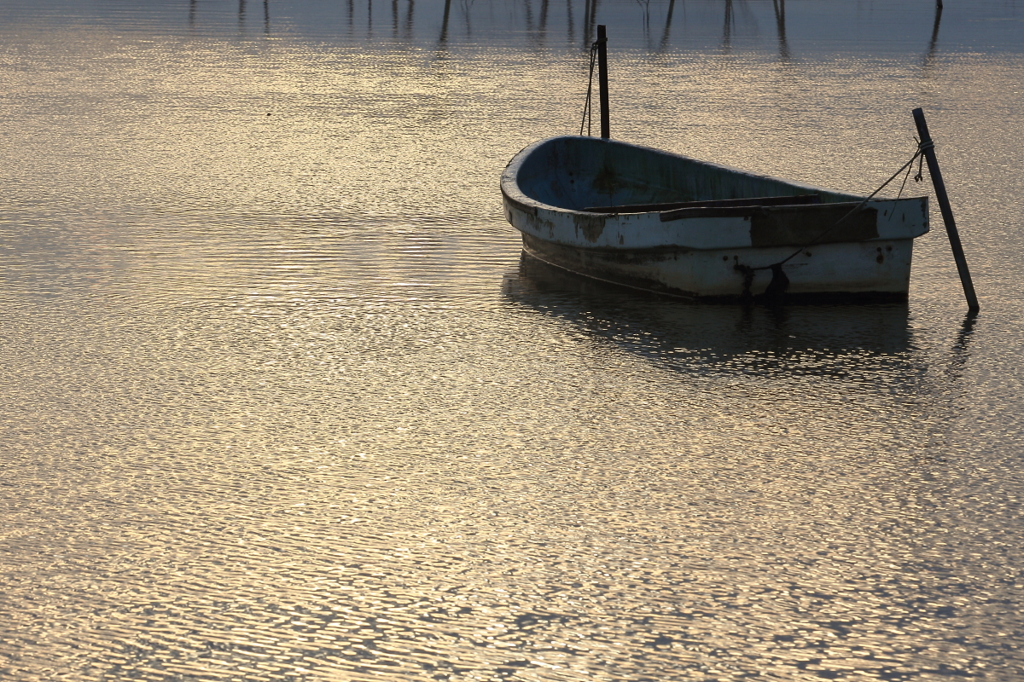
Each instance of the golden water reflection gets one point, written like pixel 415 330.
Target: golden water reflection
pixel 282 401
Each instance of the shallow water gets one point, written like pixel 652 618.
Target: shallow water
pixel 282 400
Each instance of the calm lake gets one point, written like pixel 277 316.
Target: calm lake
pixel 280 399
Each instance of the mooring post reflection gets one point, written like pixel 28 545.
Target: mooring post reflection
pixel 589 21
pixel 929 56
pixel 780 23
pixel 668 26
pixel 540 20
pixel 444 22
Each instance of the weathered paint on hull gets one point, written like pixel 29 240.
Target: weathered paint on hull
pixel 876 270
pixel 847 249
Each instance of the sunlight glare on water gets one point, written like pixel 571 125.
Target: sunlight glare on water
pixel 283 399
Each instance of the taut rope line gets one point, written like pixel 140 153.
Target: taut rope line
pixel 779 279
pixel 587 108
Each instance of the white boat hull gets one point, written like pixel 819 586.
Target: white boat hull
pixel 876 270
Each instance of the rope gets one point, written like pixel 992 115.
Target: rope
pixel 910 166
pixel 587 108
pixel 922 147
pixel 779 280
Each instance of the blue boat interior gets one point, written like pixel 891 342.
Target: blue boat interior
pixel 578 173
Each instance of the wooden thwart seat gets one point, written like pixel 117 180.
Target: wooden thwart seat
pixel 709 203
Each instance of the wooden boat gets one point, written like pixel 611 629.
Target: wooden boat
pixel 667 223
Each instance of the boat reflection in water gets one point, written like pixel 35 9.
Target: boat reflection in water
pixel 824 340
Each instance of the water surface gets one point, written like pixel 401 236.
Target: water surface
pixel 283 400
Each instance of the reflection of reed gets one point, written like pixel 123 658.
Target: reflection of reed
pixel 645 6
pixel 780 23
pixel 668 25
pixel 538 32
pixel 407 29
pixel 539 20
pixel 241 15
pixel 589 21
pixel 929 56
pixel 542 19
pixel 444 22
pixel 586 23
pixel 730 20
pixel 536 16
pixel 467 5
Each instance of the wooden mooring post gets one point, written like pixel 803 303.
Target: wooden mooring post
pixel 602 78
pixel 928 149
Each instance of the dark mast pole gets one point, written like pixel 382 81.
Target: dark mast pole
pixel 602 78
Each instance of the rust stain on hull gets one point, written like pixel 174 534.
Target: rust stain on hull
pixel 592 226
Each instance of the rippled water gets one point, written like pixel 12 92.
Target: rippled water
pixel 281 399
